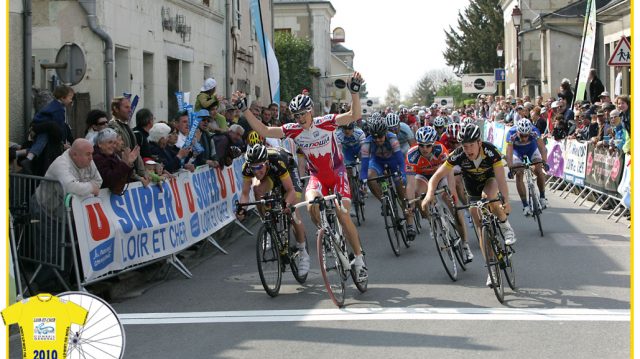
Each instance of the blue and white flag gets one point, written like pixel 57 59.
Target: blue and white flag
pixel 273 71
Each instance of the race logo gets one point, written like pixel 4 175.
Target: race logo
pixel 44 328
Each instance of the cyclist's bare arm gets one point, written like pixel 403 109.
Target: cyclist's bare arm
pixel 246 187
pixel 256 124
pixel 509 155
pixel 442 172
pixel 502 184
pixel 290 192
pixel 355 113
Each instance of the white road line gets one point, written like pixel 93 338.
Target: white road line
pixel 477 314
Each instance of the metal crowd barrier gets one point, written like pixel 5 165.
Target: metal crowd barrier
pixel 556 184
pixel 40 230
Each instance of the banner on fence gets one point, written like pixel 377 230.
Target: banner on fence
pixel 145 223
pixel 624 188
pixel 604 169
pixel 555 158
pixel 496 133
pixel 575 162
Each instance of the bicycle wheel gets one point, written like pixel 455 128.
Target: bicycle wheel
pixel 399 219
pixel 102 335
pixel 269 262
pixel 417 218
pixel 507 255
pixel 389 224
pixel 536 208
pixel 493 264
pixel 294 260
pixel 355 198
pixel 361 203
pixel 331 268
pixel 445 249
pixel 455 238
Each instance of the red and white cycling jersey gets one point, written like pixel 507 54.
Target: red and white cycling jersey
pixel 319 144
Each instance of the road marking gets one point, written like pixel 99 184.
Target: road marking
pixel 476 314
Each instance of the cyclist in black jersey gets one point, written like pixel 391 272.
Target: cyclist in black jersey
pixel 266 169
pixel 483 175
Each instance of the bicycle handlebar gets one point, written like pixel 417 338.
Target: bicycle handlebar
pixel 420 198
pixel 379 178
pixel 478 204
pixel 316 200
pixel 525 165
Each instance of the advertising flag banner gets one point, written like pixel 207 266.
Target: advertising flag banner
pixel 588 45
pixel 273 71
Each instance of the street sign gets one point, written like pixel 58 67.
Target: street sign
pixel 499 74
pixel 478 83
pixel 621 56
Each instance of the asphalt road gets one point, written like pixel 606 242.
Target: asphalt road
pixel 572 301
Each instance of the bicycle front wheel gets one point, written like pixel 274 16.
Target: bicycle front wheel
pixel 417 219
pixel 101 336
pixel 331 268
pixel 269 262
pixel 445 248
pixel 493 264
pixel 391 227
pixel 537 209
pixel 356 198
pixel 507 255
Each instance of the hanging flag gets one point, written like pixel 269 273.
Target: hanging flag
pixel 273 71
pixel 586 53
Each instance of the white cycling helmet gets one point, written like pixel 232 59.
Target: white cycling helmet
pixel 524 126
pixel 392 120
pixel 440 121
pixel 422 113
pixel 426 135
pixel 468 120
pixel 300 103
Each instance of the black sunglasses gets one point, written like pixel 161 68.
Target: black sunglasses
pixel 425 145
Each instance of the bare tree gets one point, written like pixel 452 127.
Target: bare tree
pixel 426 89
pixel 393 96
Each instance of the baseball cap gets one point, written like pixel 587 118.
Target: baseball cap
pixel 543 110
pixel 604 93
pixel 203 113
pixel 149 161
pixel 519 107
pixel 614 113
pixel 555 104
pixel 209 84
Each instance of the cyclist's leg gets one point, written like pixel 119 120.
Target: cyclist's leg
pixel 458 215
pixel 474 190
pixel 536 157
pixel 375 170
pixel 314 189
pixel 350 232
pixel 298 228
pixel 491 191
pixel 519 173
pixel 422 184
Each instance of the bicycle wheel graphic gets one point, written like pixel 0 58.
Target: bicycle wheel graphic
pixel 102 335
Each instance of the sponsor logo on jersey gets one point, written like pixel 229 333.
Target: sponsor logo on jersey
pixel 44 328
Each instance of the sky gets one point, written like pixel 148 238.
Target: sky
pixel 396 42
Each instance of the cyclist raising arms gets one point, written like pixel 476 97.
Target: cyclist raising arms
pixel 483 176
pixel 401 130
pixel 317 139
pixel 379 149
pixel 272 168
pixel 524 139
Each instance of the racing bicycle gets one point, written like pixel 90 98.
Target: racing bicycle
pixel 532 191
pixel 393 218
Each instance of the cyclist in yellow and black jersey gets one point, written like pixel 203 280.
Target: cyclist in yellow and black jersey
pixel 483 175
pixel 269 168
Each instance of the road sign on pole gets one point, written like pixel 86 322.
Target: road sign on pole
pixel 621 56
pixel 499 74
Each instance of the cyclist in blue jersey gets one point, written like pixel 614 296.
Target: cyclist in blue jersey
pixel 350 138
pixel 402 131
pixel 379 149
pixel 524 139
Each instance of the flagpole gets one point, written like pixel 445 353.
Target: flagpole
pixel 264 47
pixel 584 37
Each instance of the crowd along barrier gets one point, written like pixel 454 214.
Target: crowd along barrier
pixel 144 224
pixel 592 170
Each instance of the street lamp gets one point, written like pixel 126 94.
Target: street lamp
pixel 500 52
pixel 516 17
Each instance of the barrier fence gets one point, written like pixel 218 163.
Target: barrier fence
pixel 601 173
pixel 116 233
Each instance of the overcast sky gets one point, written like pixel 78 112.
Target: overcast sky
pixel 395 42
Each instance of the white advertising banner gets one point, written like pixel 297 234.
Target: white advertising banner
pixel 478 83
pixel 575 162
pixel 145 223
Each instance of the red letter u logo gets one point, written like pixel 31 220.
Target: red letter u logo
pixel 98 223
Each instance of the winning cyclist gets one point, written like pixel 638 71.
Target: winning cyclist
pixel 379 149
pixel 317 139
pixel 450 141
pixel 401 130
pixel 524 139
pixel 483 176
pixel 272 168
